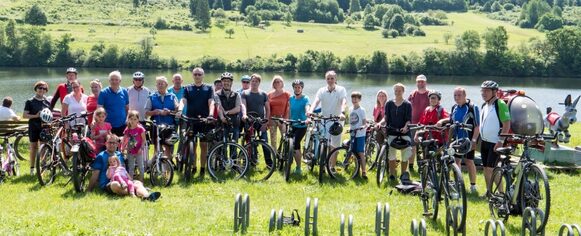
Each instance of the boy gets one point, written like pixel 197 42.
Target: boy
pixel 5 112
pixel 358 121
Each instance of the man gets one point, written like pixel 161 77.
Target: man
pixel 99 173
pixel 245 80
pixel 138 95
pixel 228 104
pixel 159 107
pixel 218 85
pixel 332 100
pixel 65 88
pixel 115 100
pixel 256 101
pixel 465 112
pixel 5 112
pixel 419 100
pixel 177 88
pixel 198 99
pixel 494 117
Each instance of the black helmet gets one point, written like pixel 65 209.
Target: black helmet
pixel 460 147
pixel 489 84
pixel 138 75
pixel 299 82
pixel 435 92
pixel 336 129
pixel 226 75
pixel 71 70
pixel 399 143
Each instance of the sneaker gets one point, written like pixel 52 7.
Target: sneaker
pixel 392 178
pixel 153 196
pixel 298 171
pixel 31 171
pixel 473 189
pixel 364 176
pixel 202 172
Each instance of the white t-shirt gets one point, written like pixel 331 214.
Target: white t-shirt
pixel 331 101
pixel 356 117
pixel 76 107
pixel 6 113
pixel 137 99
pixel 489 127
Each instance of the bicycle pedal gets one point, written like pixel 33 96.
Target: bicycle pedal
pixel 427 214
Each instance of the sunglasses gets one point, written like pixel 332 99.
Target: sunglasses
pixel 245 82
pixel 198 74
pixel 42 88
pixel 138 79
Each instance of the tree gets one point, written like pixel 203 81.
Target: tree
pixel 202 15
pixel 349 21
pixel 369 22
pixel 549 22
pixel 230 32
pixel 35 16
pixel 532 11
pixel 469 41
pixel 218 4
pixel 385 33
pixel 397 23
pixel 447 36
pixel 354 6
pixel 287 18
pixel 496 40
pixel 253 17
pixel 378 63
pixel 135 3
pixel 368 10
pixel 566 44
pixel 495 7
pixel 244 4
pixel 193 4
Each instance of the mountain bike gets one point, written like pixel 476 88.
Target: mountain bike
pixel 259 170
pixel 227 158
pixel 286 150
pixel 160 168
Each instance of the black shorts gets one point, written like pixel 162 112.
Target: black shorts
pixel 469 155
pixel 201 128
pixel 299 134
pixel 33 134
pixel 118 130
pixel 488 154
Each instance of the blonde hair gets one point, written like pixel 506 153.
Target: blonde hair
pixel 461 89
pixel 256 76
pixel 377 104
pixel 399 85
pixel 114 157
pixel 132 113
pixel 98 112
pixel 97 82
pixel 275 78
pixel 332 73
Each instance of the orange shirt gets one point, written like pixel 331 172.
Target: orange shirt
pixel 279 104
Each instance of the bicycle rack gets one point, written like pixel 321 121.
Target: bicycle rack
pixel 495 226
pixel 349 226
pixel 382 219
pixel 529 221
pixel 241 212
pixel 311 218
pixel 276 222
pixel 571 228
pixel 418 229
pixel 453 218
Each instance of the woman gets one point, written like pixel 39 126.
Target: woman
pixel 32 109
pixel 93 98
pixel 299 105
pixel 379 112
pixel 278 100
pixel 159 105
pixel 75 102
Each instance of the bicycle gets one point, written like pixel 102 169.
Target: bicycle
pixel 10 165
pixel 371 145
pixel 286 150
pixel 347 163
pixel 439 172
pixel 258 171
pixel 83 156
pixel 381 158
pixel 317 148
pixel 187 157
pixel 160 168
pixel 227 158
pixel 513 189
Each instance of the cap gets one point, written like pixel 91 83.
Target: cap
pixel 246 78
pixel 421 78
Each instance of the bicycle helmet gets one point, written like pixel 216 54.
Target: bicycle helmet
pixel 336 129
pixel 46 115
pixel 299 82
pixel 71 70
pixel 489 84
pixel 460 147
pixel 435 92
pixel 245 78
pixel 399 143
pixel 138 75
pixel 226 75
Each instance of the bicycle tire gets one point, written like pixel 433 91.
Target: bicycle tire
pixel 15 147
pixel 346 164
pixel 308 155
pixel 79 173
pixel 372 149
pixel 289 158
pixel 260 170
pixel 455 192
pixel 280 152
pixel 499 186
pixel 430 193
pixel 161 172
pixel 45 168
pixel 222 166
pixel 189 161
pixel 382 164
pixel 322 159
pixel 530 193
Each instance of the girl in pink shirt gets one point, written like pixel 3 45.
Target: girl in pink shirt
pixel 100 129
pixel 118 173
pixel 133 143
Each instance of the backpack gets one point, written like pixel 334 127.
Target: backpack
pixel 88 149
pixel 471 113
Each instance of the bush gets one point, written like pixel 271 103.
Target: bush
pixel 385 33
pixel 212 63
pixel 495 7
pixel 419 32
pixel 549 22
pixel 508 7
pixel 160 23
pixel 35 16
pixel 349 64
pixel 393 33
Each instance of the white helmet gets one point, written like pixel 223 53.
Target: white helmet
pixel 46 115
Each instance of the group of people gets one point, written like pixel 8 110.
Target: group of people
pixel 117 122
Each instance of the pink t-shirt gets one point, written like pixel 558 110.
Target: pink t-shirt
pixel 134 138
pixel 99 129
pixel 419 103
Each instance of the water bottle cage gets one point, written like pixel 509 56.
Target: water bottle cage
pixel 290 220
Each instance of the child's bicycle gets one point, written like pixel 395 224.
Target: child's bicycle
pixel 160 168
pixel 347 162
pixel 10 166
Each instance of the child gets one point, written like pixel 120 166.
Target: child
pixel 358 120
pixel 133 143
pixel 432 114
pixel 100 129
pixel 116 172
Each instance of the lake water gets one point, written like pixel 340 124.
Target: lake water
pixel 18 83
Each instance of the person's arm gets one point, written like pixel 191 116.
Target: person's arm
pixel 65 107
pixel 94 180
pixel 504 116
pixel 141 143
pixel 408 117
pixel 148 111
pixel 243 101
pixel 267 110
pixel 110 172
pixel 211 106
pixel 55 98
pixel 26 114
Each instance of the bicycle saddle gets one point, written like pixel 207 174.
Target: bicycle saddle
pixel 426 143
pixel 504 150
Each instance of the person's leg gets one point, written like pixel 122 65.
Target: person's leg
pixel 273 130
pixel 140 164
pixel 485 149
pixel 334 142
pixel 117 189
pixel 298 138
pixel 469 161
pixel 131 188
pixel 140 190
pixel 406 158
pixel 267 154
pixel 131 165
pixel 391 157
pixel 413 150
pixel 119 179
pixel 33 153
pixel 203 157
pixel 360 150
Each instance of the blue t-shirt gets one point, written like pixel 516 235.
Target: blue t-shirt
pixel 461 114
pixel 297 109
pixel 101 164
pixel 179 95
pixel 114 104
pixel 197 98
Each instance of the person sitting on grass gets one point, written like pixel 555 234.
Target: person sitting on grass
pixel 99 175
pixel 117 172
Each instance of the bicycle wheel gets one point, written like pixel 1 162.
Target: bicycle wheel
pixel 227 161
pixel 499 200
pixel 372 149
pixel 161 172
pixel 14 165
pixel 309 154
pixel 280 154
pixel 346 165
pixel 535 193
pixel 455 192
pixel 79 173
pixel 262 160
pixel 189 160
pixel 430 195
pixel 381 164
pixel 45 168
pixel 66 163
pixel 322 160
pixel 16 147
pixel 289 157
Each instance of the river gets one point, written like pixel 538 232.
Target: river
pixel 18 83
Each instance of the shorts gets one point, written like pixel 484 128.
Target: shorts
pixel 299 134
pixel 488 154
pixel 334 140
pixel 200 128
pixel 33 134
pixel 406 153
pixel 358 145
pixel 107 189
pixel 468 156
pixel 118 130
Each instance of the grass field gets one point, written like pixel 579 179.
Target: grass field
pixel 280 39
pixel 205 207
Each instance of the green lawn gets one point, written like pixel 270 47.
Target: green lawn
pixel 280 39
pixel 206 208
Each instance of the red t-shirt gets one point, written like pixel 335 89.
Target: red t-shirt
pixel 91 106
pixel 378 113
pixel 419 102
pixel 430 117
